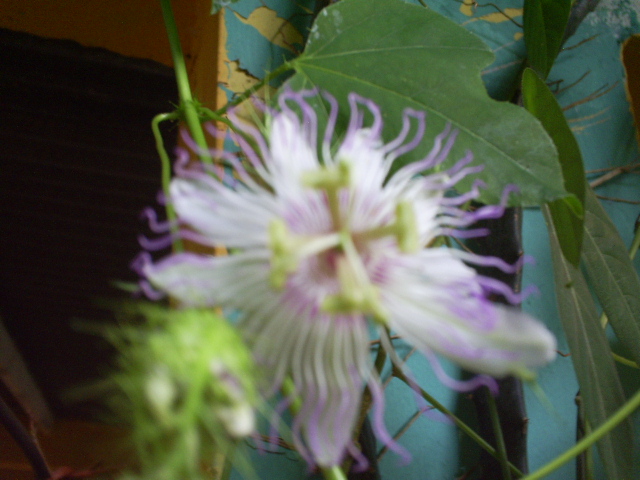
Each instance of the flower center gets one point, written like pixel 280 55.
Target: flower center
pixel 357 292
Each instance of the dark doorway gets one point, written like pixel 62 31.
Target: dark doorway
pixel 77 166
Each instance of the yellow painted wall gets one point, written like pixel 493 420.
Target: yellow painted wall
pixel 129 27
pixel 133 28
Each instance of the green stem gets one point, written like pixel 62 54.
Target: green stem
pixel 497 431
pixel 289 390
pixel 463 426
pixel 333 473
pixel 166 175
pixel 187 103
pixel 208 114
pixel 624 361
pixel 211 115
pixel 381 358
pixel 621 414
pixel 285 67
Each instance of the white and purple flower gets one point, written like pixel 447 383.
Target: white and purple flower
pixel 324 241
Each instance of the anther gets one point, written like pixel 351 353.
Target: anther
pixel 404 228
pixel 282 261
pixel 329 178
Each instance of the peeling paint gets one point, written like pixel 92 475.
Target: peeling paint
pixel 467 9
pixel 277 30
pixel 505 15
pixel 223 60
pixel 622 16
pixel 238 79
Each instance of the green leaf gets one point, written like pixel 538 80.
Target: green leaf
pixel 600 386
pixel 569 229
pixel 567 213
pixel 544 24
pixel 613 277
pixel 402 55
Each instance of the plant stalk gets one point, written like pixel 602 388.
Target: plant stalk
pixel 487 447
pixel 618 417
pixel 268 78
pixel 501 449
pixel 166 176
pixel 187 103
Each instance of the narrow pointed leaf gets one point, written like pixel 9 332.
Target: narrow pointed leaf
pixel 567 213
pixel 544 24
pixel 600 386
pixel 612 275
pixel 401 55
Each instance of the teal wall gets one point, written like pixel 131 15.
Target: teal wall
pixel 604 129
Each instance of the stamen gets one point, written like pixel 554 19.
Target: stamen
pixel 405 229
pixel 281 262
pixel 330 179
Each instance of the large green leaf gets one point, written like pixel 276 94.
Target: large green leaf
pixel 402 55
pixel 600 386
pixel 613 277
pixel 567 213
pixel 544 24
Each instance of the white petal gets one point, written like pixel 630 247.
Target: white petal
pixel 227 217
pixel 442 312
pixel 328 360
pixel 198 280
pixel 291 155
pixel 366 159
